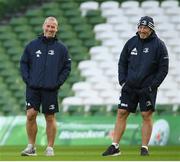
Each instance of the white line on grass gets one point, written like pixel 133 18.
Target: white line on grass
pixel 9 130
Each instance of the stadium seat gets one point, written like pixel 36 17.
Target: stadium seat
pixel 117 20
pixel 68 101
pixel 97 79
pixel 83 65
pixel 175 19
pixel 7 36
pixel 18 21
pixel 172 11
pixel 80 28
pixel 168 35
pixel 163 27
pixel 89 5
pixel 36 21
pixel 149 4
pixel 106 35
pixel 96 20
pixel 111 12
pixel 50 6
pixel 55 13
pixel 98 49
pixel 11 43
pixel 110 96
pixel 112 43
pixel 5 29
pixel 91 72
pixel 22 29
pixel 134 11
pixel 109 5
pixel 159 19
pixel 173 42
pixel 30 14
pixel 129 4
pixel 80 86
pixel 124 27
pixel 154 12
pixel 92 101
pixel 64 5
pixel 24 38
pixel 72 13
pixel 103 28
pixel 169 4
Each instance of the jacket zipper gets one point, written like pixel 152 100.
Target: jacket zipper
pixel 44 69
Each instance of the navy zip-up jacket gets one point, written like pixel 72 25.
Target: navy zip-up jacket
pixel 143 63
pixel 45 63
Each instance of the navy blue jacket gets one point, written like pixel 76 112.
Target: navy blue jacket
pixel 143 63
pixel 45 63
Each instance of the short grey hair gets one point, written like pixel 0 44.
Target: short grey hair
pixel 51 18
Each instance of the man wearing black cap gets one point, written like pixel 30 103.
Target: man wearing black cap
pixel 142 67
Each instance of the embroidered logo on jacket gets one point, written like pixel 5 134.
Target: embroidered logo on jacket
pixel 134 51
pixel 124 105
pixel 38 53
pixel 51 52
pixel 146 50
pixel 28 104
pixel 148 103
pixel 51 107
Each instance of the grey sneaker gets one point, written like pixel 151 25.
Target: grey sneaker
pixel 29 151
pixel 49 151
pixel 111 151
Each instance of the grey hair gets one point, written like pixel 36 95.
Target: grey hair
pixel 51 18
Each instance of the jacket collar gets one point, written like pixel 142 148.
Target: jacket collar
pixel 152 36
pixel 47 40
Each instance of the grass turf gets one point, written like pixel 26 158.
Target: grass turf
pixel 92 153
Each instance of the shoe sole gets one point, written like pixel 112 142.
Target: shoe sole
pixel 116 154
pixel 26 154
pixel 49 154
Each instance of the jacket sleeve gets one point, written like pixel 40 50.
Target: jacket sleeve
pixel 66 69
pixel 163 66
pixel 24 65
pixel 123 65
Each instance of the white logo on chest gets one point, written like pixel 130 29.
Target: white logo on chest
pixel 134 51
pixel 51 52
pixel 38 53
pixel 146 50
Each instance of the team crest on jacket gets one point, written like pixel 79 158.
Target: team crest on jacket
pixel 134 51
pixel 38 53
pixel 146 50
pixel 51 107
pixel 51 52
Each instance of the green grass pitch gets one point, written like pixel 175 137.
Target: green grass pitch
pixel 92 153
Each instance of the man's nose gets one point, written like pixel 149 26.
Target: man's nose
pixel 142 29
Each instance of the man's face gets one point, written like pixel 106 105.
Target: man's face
pixel 50 28
pixel 144 31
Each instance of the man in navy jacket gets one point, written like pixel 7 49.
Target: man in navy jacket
pixel 143 65
pixel 45 65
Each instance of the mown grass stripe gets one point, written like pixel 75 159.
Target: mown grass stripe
pixel 89 153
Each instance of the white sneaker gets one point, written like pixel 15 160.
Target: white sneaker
pixel 49 151
pixel 29 151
